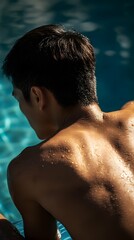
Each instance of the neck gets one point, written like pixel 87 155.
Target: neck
pixel 60 118
pixel 90 113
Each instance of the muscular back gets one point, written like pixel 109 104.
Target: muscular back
pixel 97 190
pixel 86 177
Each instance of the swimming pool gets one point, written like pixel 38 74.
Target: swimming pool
pixel 109 25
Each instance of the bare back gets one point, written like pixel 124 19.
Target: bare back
pixel 86 177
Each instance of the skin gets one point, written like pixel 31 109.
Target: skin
pixel 81 175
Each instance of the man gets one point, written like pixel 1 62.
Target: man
pixel 82 173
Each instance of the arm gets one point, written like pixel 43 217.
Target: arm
pixel 8 231
pixel 38 223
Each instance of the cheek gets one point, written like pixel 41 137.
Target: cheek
pixel 21 105
pixel 30 116
pixel 24 110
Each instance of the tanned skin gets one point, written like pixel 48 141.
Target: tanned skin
pixel 82 175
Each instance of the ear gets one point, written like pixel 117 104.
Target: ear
pixel 37 95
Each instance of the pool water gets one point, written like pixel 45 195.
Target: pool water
pixel 109 25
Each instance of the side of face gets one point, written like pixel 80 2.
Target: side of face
pixel 34 110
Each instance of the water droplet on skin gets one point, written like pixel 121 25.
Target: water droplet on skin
pixel 68 150
pixel 128 165
pixel 83 146
pixel 42 165
pixel 50 151
pixel 123 175
pixel 52 162
pixel 63 156
pixel 131 180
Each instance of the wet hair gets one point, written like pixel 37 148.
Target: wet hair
pixel 60 60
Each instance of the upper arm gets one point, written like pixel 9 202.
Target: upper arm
pixel 38 223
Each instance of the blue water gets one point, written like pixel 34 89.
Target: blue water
pixel 109 25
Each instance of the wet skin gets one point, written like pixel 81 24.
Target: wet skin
pixel 82 175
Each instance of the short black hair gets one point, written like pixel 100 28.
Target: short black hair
pixel 58 59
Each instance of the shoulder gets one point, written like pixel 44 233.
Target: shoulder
pixel 18 163
pixel 15 163
pixel 19 173
pixel 129 105
pixel 56 157
pixel 127 114
pixel 58 149
pixel 124 117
